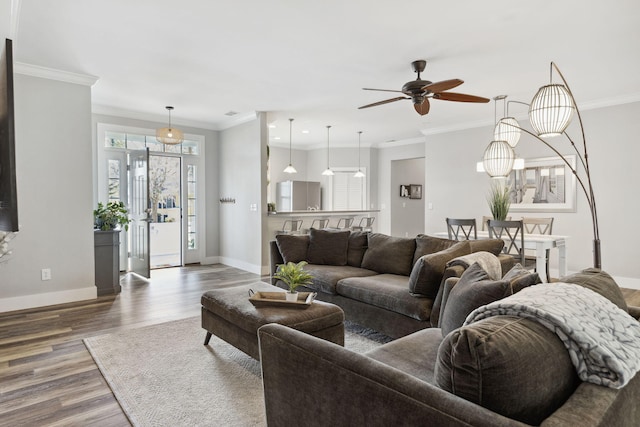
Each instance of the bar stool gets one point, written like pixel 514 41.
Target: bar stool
pixel 291 226
pixel 365 224
pixel 344 223
pixel 319 223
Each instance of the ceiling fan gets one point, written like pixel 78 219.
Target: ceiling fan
pixel 419 91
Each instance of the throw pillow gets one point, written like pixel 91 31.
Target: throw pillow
pixel 357 248
pixel 474 289
pixel 510 365
pixel 388 254
pixel 328 247
pixel 292 248
pixel 426 245
pixel 487 245
pixel 520 278
pixel 427 272
pixel 600 282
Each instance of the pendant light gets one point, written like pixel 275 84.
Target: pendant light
pixel 290 168
pixel 328 171
pixel 499 155
pixel 551 109
pixel 507 128
pixel 169 135
pixel 359 174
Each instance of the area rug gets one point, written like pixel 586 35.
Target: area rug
pixel 163 375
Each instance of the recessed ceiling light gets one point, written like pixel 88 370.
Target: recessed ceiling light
pixel 272 126
pixel 230 113
pixel 276 137
pixel 305 131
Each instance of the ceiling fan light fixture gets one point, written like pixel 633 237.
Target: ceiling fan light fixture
pixel 169 135
pixel 290 168
pixel 551 110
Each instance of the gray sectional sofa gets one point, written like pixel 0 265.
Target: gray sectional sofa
pixel 500 371
pixel 390 284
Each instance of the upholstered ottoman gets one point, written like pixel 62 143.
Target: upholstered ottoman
pixel 228 314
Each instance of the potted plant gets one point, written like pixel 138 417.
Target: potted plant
pixel 293 275
pixel 499 201
pixel 109 216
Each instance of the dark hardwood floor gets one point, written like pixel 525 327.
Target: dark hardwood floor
pixel 48 378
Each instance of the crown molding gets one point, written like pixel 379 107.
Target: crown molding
pixel 53 74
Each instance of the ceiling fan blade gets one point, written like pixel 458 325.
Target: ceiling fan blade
pixel 382 90
pixel 443 85
pixel 459 97
pixel 423 108
pixel 386 101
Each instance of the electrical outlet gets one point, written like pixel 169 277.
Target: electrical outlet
pixel 45 274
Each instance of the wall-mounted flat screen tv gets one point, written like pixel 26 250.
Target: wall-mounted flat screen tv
pixel 8 193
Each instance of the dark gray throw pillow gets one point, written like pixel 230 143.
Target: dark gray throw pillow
pixel 474 289
pixel 487 245
pixel 293 248
pixel 600 282
pixel 389 254
pixel 427 272
pixel 520 278
pixel 426 245
pixel 510 365
pixel 328 247
pixel 357 248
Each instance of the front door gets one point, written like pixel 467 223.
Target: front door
pixel 139 210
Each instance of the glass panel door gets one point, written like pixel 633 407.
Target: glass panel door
pixel 139 210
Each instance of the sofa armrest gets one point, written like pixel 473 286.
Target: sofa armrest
pixel 634 311
pixel 310 381
pixel 275 258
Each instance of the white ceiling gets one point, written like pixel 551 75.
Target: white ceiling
pixel 310 60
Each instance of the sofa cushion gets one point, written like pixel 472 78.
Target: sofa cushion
pixel 357 247
pixel 487 245
pixel 328 247
pixel 520 278
pixel 510 365
pixel 426 275
pixel 600 282
pixel 475 288
pixel 326 277
pixel 293 248
pixel 389 254
pixel 426 245
pixel 388 291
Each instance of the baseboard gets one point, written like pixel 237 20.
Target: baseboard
pixel 49 298
pixel 251 268
pixel 210 260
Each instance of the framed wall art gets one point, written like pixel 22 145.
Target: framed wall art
pixel 545 184
pixel 415 191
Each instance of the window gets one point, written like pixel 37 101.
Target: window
pixel 348 191
pixel 134 141
pixel 192 242
pixel 114 180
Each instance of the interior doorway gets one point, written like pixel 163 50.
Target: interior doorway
pixel 165 218
pixel 407 207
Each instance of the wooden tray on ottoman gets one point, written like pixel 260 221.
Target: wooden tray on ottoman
pixel 263 299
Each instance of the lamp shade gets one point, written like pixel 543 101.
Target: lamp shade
pixel 498 159
pixel 507 129
pixel 170 136
pixel 551 110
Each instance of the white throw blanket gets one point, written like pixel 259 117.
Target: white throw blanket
pixel 488 261
pixel 603 341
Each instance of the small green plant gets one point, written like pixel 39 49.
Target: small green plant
pixel 109 216
pixel 499 201
pixel 293 275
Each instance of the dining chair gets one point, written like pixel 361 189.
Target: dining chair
pixel 538 226
pixel 486 218
pixel 512 234
pixel 462 229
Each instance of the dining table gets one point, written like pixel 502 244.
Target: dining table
pixel 539 243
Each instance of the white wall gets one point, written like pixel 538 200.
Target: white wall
pixel 55 200
pixel 242 175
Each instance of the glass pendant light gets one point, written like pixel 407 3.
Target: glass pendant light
pixel 290 168
pixel 328 171
pixel 359 174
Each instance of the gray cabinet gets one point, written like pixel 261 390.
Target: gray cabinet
pixel 106 246
pixel 297 196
